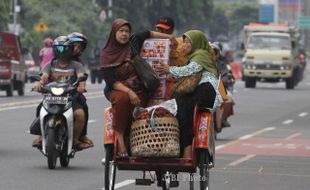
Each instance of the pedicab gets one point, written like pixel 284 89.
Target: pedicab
pixel 203 152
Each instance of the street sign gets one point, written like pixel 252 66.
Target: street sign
pixel 266 13
pixel 41 27
pixel 304 22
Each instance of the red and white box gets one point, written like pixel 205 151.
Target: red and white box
pixel 155 49
pixel 156 52
pixel 160 92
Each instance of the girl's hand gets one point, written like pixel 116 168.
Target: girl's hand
pixel 174 43
pixel 134 99
pixel 163 69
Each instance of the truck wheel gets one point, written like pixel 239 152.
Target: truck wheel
pixel 290 83
pixel 250 82
pixel 9 90
pixel 20 88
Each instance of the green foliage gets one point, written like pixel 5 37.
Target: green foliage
pixel 228 19
pixel 4 14
pixel 61 18
pixel 144 14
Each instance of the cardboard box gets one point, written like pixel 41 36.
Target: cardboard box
pixel 160 92
pixel 155 49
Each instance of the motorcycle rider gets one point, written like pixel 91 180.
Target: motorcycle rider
pixel 46 53
pixel 223 68
pixel 79 42
pixel 63 69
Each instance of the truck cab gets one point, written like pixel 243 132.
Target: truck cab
pixel 270 55
pixel 12 64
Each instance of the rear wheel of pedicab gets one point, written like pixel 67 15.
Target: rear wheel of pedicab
pixel 51 149
pixel 166 182
pixel 203 162
pixel 109 168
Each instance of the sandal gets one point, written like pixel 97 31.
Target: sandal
pixel 122 154
pixel 37 143
pixel 81 146
pixel 87 140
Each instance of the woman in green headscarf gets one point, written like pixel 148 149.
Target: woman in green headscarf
pixel 206 94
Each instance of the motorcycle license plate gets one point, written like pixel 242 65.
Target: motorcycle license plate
pixel 56 100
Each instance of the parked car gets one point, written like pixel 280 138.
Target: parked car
pixel 12 64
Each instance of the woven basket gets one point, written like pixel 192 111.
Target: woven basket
pixel 161 141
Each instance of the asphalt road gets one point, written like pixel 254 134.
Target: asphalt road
pixel 267 147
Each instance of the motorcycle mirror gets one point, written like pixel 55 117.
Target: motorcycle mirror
pixel 35 77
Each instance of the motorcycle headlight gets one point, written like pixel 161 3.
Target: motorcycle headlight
pixel 57 91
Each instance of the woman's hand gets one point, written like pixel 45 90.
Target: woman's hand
pixel 174 43
pixel 163 69
pixel 37 86
pixel 134 99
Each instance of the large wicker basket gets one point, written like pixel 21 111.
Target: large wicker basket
pixel 160 141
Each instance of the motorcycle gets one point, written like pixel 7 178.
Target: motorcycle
pixel 56 121
pixel 226 109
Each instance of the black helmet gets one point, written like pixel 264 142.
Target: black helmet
pixel 77 37
pixel 62 48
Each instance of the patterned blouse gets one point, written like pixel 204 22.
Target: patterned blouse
pixel 193 68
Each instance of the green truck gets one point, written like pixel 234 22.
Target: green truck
pixel 271 54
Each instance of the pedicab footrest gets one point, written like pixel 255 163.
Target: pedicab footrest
pixel 153 164
pixel 159 139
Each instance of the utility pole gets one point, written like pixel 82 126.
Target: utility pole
pixel 307 30
pixel 110 4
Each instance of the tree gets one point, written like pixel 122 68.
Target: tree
pixel 4 14
pixel 242 16
pixel 54 13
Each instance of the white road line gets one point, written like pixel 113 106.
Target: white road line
pixel 303 114
pixel 243 159
pixel 292 136
pixel 8 107
pixel 123 183
pixel 286 122
pixel 257 133
pixel 245 137
pixel 92 121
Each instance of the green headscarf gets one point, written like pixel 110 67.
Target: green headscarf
pixel 201 53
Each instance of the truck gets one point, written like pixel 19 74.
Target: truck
pixel 271 52
pixel 12 64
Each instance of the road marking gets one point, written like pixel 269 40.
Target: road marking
pixel 88 94
pixel 243 159
pixel 245 137
pixel 292 136
pixel 303 114
pixel 13 106
pixel 260 169
pixel 257 133
pixel 92 121
pixel 123 183
pixel 286 122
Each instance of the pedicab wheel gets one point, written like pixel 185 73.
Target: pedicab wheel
pixel 203 162
pixel 63 157
pixel 51 149
pixel 166 182
pixel 109 168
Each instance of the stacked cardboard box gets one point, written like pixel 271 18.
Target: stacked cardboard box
pixel 156 52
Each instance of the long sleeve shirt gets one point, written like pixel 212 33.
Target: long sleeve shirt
pixel 193 68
